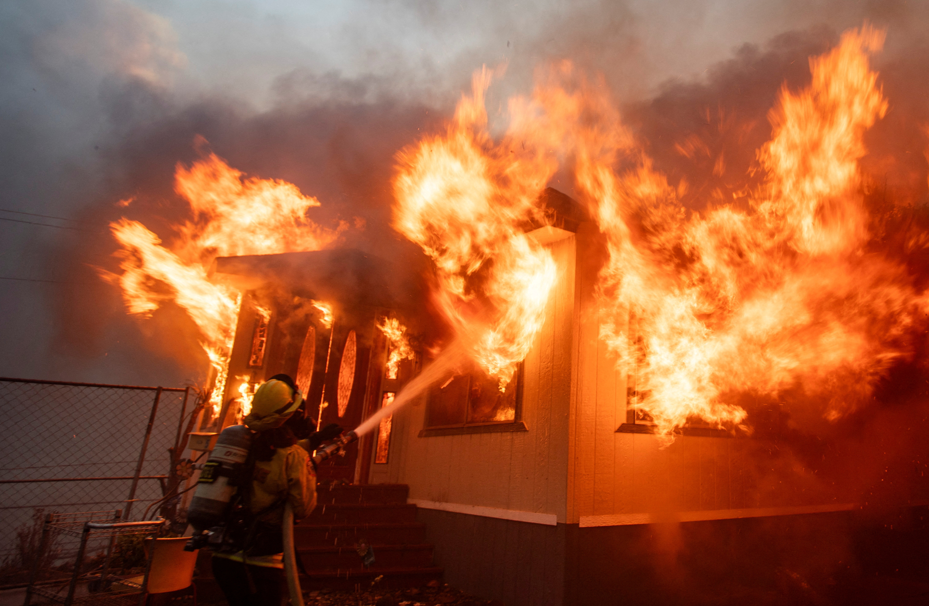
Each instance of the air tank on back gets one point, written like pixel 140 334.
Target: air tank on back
pixel 216 485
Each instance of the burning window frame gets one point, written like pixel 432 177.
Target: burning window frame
pixel 433 398
pixel 638 420
pixel 384 431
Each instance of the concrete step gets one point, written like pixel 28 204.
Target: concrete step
pixel 361 514
pixel 406 533
pixel 354 494
pixel 322 559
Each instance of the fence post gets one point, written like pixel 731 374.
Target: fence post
pixel 180 422
pixel 169 509
pixel 78 562
pixel 138 467
pixel 34 573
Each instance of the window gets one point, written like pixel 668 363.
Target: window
pixel 346 373
pixel 383 431
pixel 473 403
pixel 256 356
pixel 307 361
pixel 639 420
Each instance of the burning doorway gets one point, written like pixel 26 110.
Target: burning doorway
pixel 320 317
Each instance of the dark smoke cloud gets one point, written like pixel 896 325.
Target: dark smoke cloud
pixel 105 125
pixel 99 102
pixel 89 117
pixel 59 62
pixel 340 152
pixel 336 137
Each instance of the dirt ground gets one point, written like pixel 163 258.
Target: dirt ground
pixel 434 594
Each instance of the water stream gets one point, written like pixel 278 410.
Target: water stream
pixel 439 369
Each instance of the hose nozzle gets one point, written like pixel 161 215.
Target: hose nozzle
pixel 336 446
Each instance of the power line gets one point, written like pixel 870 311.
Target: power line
pixel 46 281
pixel 45 224
pixel 19 212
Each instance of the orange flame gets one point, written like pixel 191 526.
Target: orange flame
pixel 246 394
pixel 326 310
pixel 734 301
pixel 232 215
pixel 463 199
pixel 706 307
pixel 399 345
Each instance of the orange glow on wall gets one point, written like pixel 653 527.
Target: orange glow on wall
pixel 383 431
pixel 347 373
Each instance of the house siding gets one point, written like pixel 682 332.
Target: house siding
pixel 519 471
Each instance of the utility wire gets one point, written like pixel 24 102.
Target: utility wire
pixel 66 465
pixel 46 224
pixel 46 281
pixel 19 212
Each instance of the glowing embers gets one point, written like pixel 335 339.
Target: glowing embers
pixel 346 373
pixel 256 357
pixel 383 430
pixel 307 361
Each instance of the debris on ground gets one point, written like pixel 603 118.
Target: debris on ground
pixel 434 594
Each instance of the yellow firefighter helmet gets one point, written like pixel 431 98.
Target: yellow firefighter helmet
pixel 274 402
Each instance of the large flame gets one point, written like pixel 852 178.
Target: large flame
pixel 779 291
pixel 231 215
pixel 464 198
pixel 751 301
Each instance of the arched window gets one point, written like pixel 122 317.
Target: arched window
pixel 347 373
pixel 307 360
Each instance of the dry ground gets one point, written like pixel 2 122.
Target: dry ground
pixel 434 594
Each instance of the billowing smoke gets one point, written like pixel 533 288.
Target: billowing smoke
pixel 104 97
pixel 100 105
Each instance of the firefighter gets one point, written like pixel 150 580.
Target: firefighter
pixel 249 567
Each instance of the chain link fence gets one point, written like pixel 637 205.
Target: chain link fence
pixel 71 447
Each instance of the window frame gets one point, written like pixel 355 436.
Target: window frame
pixel 639 421
pixel 517 424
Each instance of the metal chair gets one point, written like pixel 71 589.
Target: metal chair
pixel 167 568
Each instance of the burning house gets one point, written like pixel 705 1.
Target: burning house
pixel 619 396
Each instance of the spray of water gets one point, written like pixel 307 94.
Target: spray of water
pixel 440 368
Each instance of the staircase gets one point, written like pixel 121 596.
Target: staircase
pixel 377 515
pixel 326 542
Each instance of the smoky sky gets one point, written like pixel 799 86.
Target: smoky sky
pixel 103 98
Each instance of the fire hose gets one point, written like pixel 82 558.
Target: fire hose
pixel 290 557
pixel 290 554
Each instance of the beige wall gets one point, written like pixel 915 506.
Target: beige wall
pixel 627 478
pixel 516 471
pixel 572 463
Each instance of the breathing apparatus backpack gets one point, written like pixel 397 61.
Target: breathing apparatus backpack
pixel 220 512
pixel 222 476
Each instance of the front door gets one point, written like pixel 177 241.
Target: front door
pixel 343 396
